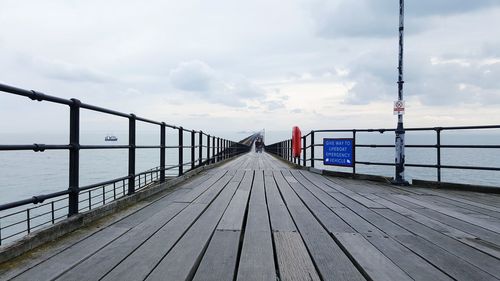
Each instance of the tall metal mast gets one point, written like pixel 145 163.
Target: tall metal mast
pixel 399 179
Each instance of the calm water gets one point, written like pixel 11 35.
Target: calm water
pixel 26 173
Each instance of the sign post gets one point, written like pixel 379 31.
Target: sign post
pixel 399 178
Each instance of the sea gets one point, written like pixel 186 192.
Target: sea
pixel 24 174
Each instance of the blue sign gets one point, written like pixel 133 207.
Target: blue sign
pixel 338 152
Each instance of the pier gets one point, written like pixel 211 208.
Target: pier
pixel 258 218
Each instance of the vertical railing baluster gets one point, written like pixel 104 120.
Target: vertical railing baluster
pixel 208 150
pixel 193 149
pixel 181 151
pixel 438 151
pixel 200 148
pixel 103 195
pixel 90 200
pixel 74 157
pixel 214 144
pixel 131 154
pixel 304 152
pixel 114 191
pixel 163 141
pixel 52 212
pixel 28 220
pixel 312 149
pixel 353 153
pixel 218 150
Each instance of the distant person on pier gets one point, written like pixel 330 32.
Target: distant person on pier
pixel 259 144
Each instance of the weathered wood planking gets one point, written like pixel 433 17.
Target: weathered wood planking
pixel 254 218
pixel 181 262
pixel 374 263
pixel 415 266
pixel 220 259
pixel 294 262
pixel 257 258
pixel 330 260
pixel 108 257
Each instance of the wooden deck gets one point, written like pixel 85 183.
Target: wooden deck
pixel 256 219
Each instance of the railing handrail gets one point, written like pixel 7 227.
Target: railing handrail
pixel 217 149
pixel 284 148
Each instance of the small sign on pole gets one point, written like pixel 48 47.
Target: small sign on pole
pixel 399 107
pixel 338 152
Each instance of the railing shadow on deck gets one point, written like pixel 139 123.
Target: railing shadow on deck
pixel 19 218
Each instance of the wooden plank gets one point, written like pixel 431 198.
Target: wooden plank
pixel 278 213
pixel 469 199
pixel 126 219
pixel 143 260
pixel 257 258
pixel 473 220
pixel 219 261
pixel 201 188
pixel 316 191
pixel 415 266
pixel 374 263
pixel 331 221
pixel 460 206
pixel 181 262
pixel 467 253
pixel 446 262
pixel 294 262
pixel 472 229
pixel 207 196
pixel 58 264
pixel 331 262
pixel 434 224
pixel 235 212
pixel 108 257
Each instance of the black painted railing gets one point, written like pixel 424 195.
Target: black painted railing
pixel 308 156
pixel 21 217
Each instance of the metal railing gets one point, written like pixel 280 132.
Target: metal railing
pixel 308 158
pixel 70 202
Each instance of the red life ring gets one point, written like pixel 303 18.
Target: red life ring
pixel 296 141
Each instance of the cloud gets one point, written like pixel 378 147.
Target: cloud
pixel 193 76
pixel 61 70
pixel 199 78
pixel 376 18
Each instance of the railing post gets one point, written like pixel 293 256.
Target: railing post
pixel 181 151
pixel 218 149
pixel 312 148
pixel 192 150
pixel 131 154
pixel 200 149
pixel 162 151
pixel 213 149
pixel 74 157
pixel 438 148
pixel 353 153
pixel 208 149
pixel 304 152
pixel 226 145
pixel 222 149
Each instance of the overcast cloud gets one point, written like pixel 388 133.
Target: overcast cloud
pixel 244 65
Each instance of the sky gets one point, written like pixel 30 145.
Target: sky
pixel 240 66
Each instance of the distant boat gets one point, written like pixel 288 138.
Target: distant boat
pixel 110 138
